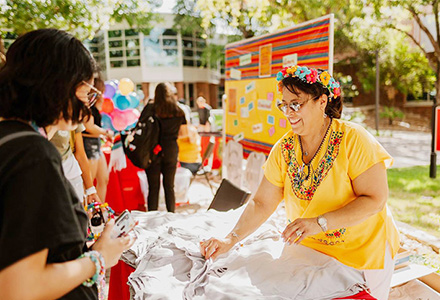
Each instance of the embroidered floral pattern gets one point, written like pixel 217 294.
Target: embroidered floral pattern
pixel 300 186
pixel 333 238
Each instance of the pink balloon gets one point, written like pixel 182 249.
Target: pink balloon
pixel 132 115
pixel 119 119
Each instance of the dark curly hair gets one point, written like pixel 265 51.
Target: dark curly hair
pixel 42 72
pixel 333 108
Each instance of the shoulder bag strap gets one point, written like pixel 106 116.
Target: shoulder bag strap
pixel 16 135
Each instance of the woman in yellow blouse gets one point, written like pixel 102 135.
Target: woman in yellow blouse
pixel 332 176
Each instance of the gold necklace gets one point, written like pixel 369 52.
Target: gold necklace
pixel 309 164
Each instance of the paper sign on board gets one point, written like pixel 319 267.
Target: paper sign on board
pixel 265 69
pixel 250 87
pixel 235 74
pixel 256 128
pixel 245 59
pixel 290 60
pixel 264 104
pixel 238 137
pixel 283 123
pixel 244 112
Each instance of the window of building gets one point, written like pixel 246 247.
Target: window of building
pixel 160 48
pixel 124 48
pixel 96 47
pixel 192 50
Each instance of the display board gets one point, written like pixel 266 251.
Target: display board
pixel 250 113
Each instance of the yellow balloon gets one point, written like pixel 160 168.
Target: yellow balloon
pixel 126 86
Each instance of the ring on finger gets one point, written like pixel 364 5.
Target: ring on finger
pixel 299 233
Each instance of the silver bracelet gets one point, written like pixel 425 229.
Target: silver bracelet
pixel 235 235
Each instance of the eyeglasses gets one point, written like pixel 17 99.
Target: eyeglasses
pixel 292 105
pixel 92 96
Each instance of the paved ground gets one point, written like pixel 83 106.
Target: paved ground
pixel 408 148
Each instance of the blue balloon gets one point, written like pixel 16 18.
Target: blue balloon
pixel 131 126
pixel 106 122
pixel 134 101
pixel 121 102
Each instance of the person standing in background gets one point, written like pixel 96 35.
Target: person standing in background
pixel 204 110
pixel 171 118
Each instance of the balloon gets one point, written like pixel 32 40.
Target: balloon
pixel 126 86
pixel 110 89
pixel 134 101
pixel 131 115
pixel 131 126
pixel 107 122
pixel 119 119
pixel 107 105
pixel 121 102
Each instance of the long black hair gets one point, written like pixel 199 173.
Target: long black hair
pixel 165 104
pixel 42 72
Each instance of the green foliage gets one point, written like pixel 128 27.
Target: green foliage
pixel 212 55
pixel 391 113
pixel 414 198
pixel 187 18
pixel 80 17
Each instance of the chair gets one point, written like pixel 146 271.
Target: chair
pixel 228 197
pixel 201 170
pixel 233 162
pixel 254 171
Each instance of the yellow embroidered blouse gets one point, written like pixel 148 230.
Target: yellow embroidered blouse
pixel 348 151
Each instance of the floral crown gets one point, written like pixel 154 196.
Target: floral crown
pixel 310 75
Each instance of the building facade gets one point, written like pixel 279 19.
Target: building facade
pixel 163 55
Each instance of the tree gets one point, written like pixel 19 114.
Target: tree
pixel 80 17
pixel 357 36
pixel 402 16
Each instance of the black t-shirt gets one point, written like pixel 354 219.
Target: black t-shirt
pixel 38 206
pixel 204 114
pixel 96 117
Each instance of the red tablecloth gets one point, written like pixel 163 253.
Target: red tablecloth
pixel 123 192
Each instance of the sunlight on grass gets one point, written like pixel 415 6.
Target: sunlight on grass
pixel 415 198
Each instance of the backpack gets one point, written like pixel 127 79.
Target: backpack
pixel 141 144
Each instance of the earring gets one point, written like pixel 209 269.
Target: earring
pixel 325 115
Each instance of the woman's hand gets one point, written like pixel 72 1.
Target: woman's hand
pixel 111 249
pixel 93 198
pixel 299 229
pixel 213 247
pixel 109 134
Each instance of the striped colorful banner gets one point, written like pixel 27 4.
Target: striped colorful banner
pixel 251 66
pixel 310 42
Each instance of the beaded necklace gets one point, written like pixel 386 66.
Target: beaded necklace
pixel 309 164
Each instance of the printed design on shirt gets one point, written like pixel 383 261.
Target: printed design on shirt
pixel 304 179
pixel 333 238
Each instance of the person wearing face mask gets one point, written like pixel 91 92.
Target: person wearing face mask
pixel 332 177
pixel 92 142
pixel 45 87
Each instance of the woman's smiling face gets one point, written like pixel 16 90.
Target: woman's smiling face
pixel 309 114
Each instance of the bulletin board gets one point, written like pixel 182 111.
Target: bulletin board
pixel 250 113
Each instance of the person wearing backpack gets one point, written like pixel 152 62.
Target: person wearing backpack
pixel 172 124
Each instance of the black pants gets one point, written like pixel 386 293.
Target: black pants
pixel 166 164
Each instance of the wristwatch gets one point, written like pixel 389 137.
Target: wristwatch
pixel 322 222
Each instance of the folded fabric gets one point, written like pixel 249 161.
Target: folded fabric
pixel 169 264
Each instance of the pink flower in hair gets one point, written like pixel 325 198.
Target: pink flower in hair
pixel 313 76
